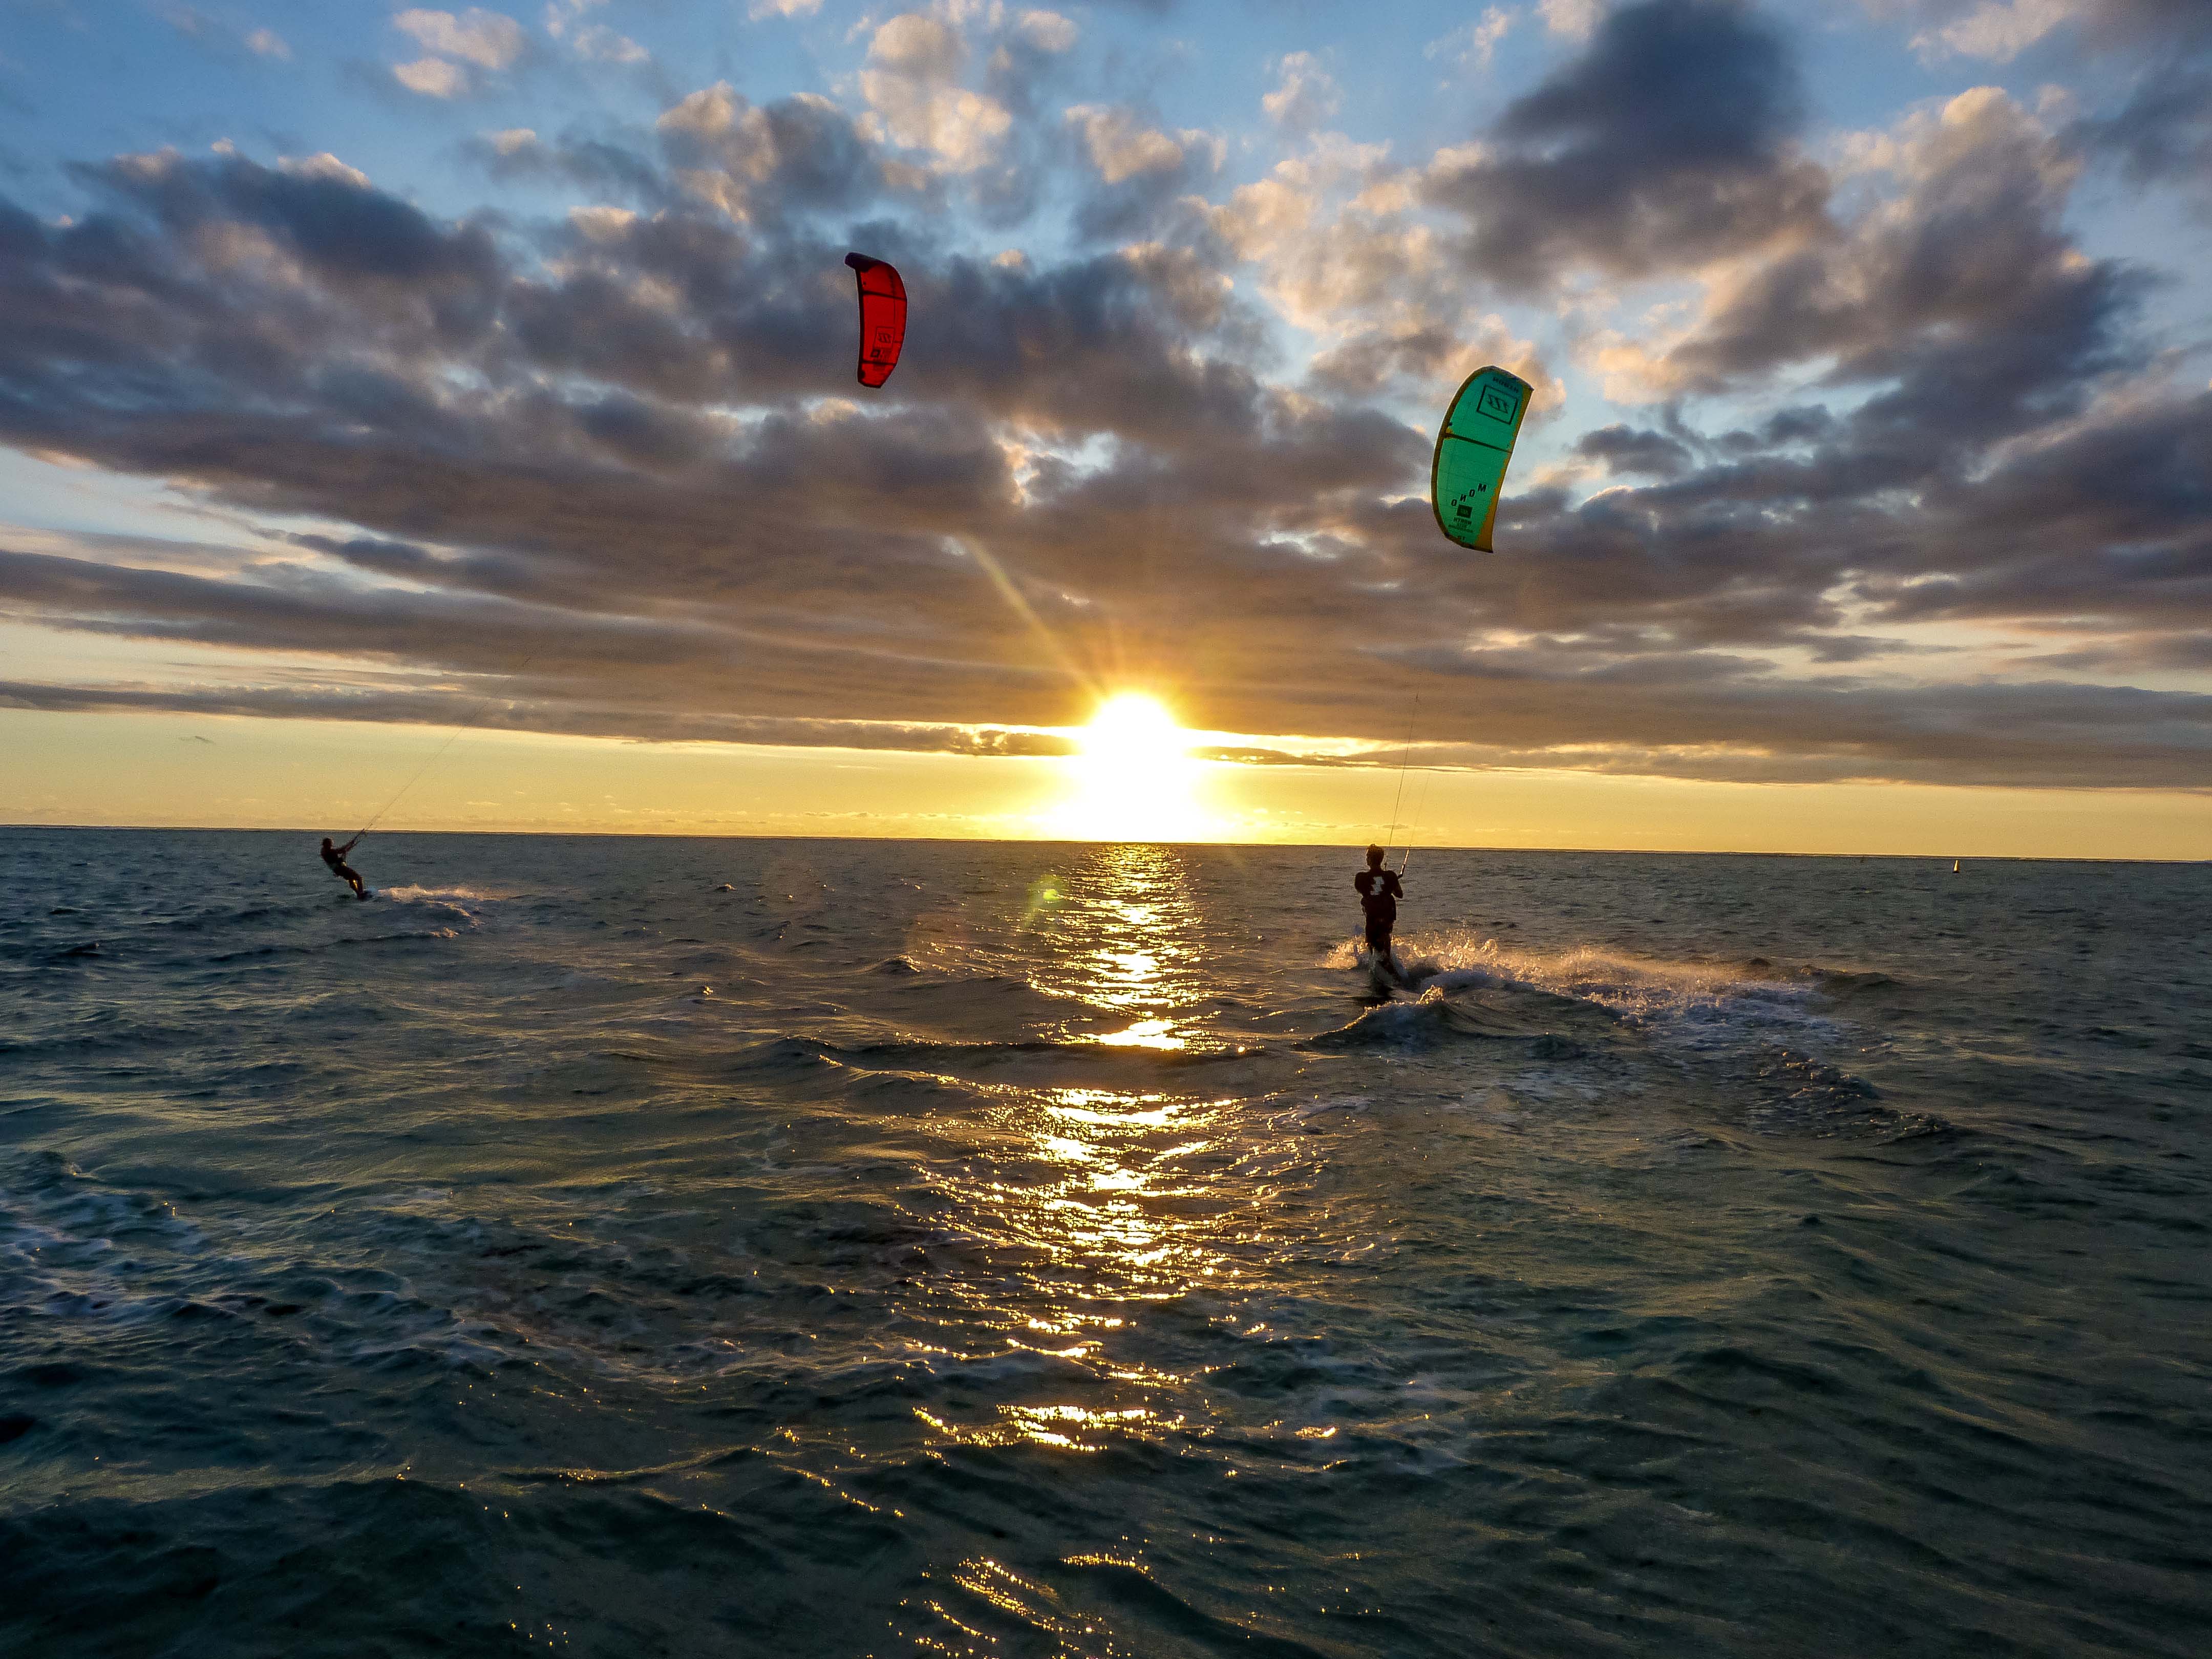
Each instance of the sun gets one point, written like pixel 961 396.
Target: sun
pixel 1134 777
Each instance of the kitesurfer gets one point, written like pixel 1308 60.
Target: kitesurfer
pixel 1379 893
pixel 336 857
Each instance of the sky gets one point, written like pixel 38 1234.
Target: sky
pixel 452 414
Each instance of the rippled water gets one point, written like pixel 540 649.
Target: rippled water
pixel 944 1248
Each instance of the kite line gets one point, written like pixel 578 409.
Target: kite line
pixel 467 721
pixel 1420 805
pixel 1403 760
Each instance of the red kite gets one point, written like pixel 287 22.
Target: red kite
pixel 882 317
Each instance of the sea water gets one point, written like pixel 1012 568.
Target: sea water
pixel 695 1247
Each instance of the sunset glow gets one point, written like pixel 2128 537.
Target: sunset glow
pixel 1864 427
pixel 1134 778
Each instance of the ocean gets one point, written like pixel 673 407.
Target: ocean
pixel 731 1247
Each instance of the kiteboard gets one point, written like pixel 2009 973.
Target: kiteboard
pixel 1383 968
pixel 1475 447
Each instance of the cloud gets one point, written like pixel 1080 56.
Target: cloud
pixel 598 166
pixel 1305 96
pixel 2163 134
pixel 1472 46
pixel 1140 175
pixel 1627 450
pixel 1997 30
pixel 1047 31
pixel 433 77
pixel 785 8
pixel 1951 484
pixel 601 45
pixel 1964 283
pixel 486 39
pixel 1120 147
pixel 221 36
pixel 1671 140
pixel 911 84
pixel 1342 253
pixel 801 153
pixel 1575 20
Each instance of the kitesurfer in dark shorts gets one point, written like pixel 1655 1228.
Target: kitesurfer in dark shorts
pixel 1379 893
pixel 336 856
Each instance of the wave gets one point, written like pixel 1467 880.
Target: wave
pixel 1842 985
pixel 922 1054
pixel 1433 1017
pixel 1638 989
pixel 459 898
pixel 75 1250
pixel 259 952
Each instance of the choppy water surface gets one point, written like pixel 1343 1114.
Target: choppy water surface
pixel 929 1249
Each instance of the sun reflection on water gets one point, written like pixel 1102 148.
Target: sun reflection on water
pixel 1128 936
pixel 1102 1202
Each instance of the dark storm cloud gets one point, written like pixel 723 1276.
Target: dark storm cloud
pixel 612 473
pixel 2157 130
pixel 1134 173
pixel 2106 523
pixel 1629 449
pixel 617 168
pixel 1671 140
pixel 1965 305
pixel 796 154
pixel 2163 133
pixel 1693 708
pixel 1967 293
pixel 581 720
pixel 355 240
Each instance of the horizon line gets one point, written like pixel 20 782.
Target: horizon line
pixel 1029 841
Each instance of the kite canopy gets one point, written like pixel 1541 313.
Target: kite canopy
pixel 882 317
pixel 1474 447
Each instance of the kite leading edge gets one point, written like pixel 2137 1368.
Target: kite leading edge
pixel 882 317
pixel 1475 447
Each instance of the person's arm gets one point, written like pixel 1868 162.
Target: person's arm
pixel 349 846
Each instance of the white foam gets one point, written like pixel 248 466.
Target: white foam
pixel 1639 988
pixel 459 896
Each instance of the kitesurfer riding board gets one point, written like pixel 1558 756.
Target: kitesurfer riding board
pixel 1379 893
pixel 336 857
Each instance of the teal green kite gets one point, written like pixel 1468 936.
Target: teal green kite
pixel 1475 447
